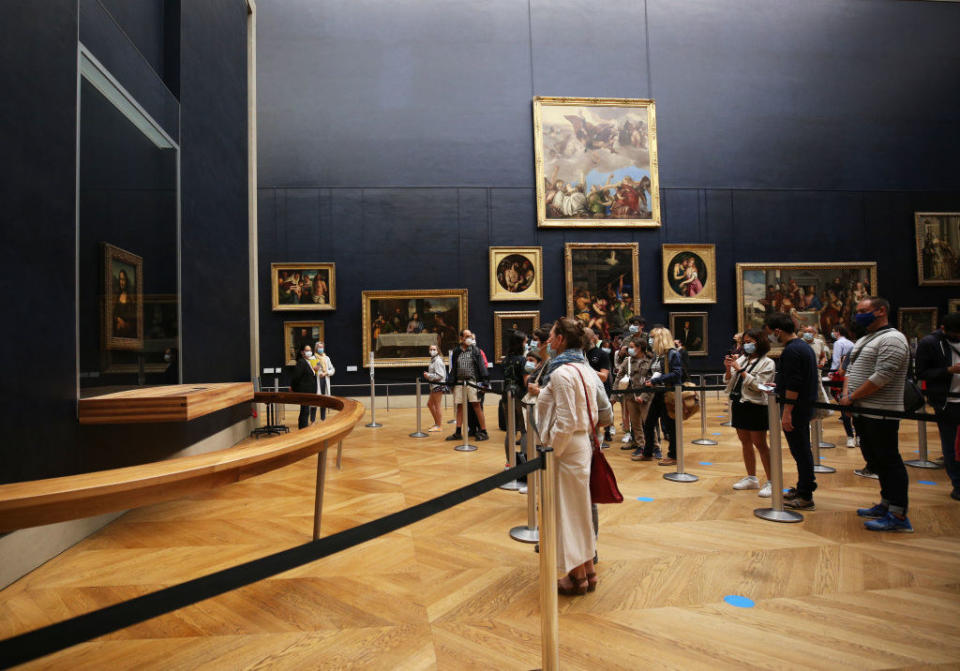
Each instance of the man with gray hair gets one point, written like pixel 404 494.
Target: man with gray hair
pixel 875 379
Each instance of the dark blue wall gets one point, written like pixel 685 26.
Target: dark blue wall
pixel 396 140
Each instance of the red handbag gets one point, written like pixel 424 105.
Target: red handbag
pixel 603 483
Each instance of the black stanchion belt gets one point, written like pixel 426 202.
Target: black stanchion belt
pixel 486 390
pixel 660 389
pixel 861 410
pixel 55 637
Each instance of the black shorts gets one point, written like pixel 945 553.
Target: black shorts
pixel 749 416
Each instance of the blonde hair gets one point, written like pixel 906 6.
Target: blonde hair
pixel 662 340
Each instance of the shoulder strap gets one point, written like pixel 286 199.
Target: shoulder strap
pixel 586 394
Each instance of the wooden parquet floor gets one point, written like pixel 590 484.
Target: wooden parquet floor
pixel 455 592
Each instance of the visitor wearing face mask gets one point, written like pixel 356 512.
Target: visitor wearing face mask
pixel 600 362
pixel 876 379
pixel 938 365
pixel 436 374
pixel 514 372
pixel 665 369
pixel 324 370
pixel 748 405
pixel 468 365
pixel 635 333
pixel 539 377
pixel 633 373
pixel 797 380
pixel 304 381
pixel 811 336
pixel 172 374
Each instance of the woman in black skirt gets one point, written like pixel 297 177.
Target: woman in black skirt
pixel 748 405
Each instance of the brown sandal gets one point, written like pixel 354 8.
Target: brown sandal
pixel 579 588
pixel 592 582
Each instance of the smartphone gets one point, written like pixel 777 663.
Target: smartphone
pixel 766 387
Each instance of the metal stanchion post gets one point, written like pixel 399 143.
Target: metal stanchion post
pixel 817 427
pixel 679 475
pixel 513 485
pixel 549 618
pixel 466 446
pixel 922 461
pixel 703 440
pixel 388 396
pixel 373 399
pixel 776 513
pixel 418 433
pixel 530 533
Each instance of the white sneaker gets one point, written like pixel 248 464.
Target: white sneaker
pixel 851 442
pixel 749 482
pixel 766 490
pixel 613 431
pixel 858 441
pixel 627 438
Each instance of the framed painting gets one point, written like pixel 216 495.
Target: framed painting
pixel 298 334
pixel 400 326
pixel 516 273
pixel 953 305
pixel 505 324
pixel 916 323
pixel 596 162
pixel 303 286
pixel 816 294
pixel 122 299
pixel 690 328
pixel 689 274
pixel 938 248
pixel 161 331
pixel 602 284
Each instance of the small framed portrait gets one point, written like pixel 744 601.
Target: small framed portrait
pixel 303 286
pixel 953 305
pixel 122 299
pixel 516 273
pixel 505 324
pixel 915 323
pixel 690 328
pixel 602 284
pixel 298 334
pixel 596 162
pixel 938 248
pixel 689 274
pixel 400 326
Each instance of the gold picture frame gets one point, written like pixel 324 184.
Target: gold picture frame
pixel 310 332
pixel 516 273
pixel 953 305
pixel 390 313
pixel 915 323
pixel 505 322
pixel 689 273
pixel 694 337
pixel 837 286
pixel 938 248
pixel 304 286
pixel 594 272
pixel 596 162
pixel 122 308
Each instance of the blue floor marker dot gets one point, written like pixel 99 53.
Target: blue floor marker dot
pixel 706 463
pixel 739 601
pixel 927 482
pixel 716 434
pixel 786 490
pixel 822 458
pixel 645 498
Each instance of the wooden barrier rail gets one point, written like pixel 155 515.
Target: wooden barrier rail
pixel 37 502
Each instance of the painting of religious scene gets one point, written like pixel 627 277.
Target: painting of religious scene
pixel 915 323
pixel 938 247
pixel 596 162
pixel 516 273
pixel 815 294
pixel 505 324
pixel 689 274
pixel 303 286
pixel 122 299
pixel 400 326
pixel 602 284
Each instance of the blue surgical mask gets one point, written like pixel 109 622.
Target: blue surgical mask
pixel 606 349
pixel 534 345
pixel 550 351
pixel 808 337
pixel 530 366
pixel 631 351
pixel 634 328
pixel 750 347
pixel 650 342
pixel 864 319
pixel 319 350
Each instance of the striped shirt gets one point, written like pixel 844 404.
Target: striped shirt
pixel 882 358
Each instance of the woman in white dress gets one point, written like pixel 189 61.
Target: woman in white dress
pixel 565 425
pixel 324 370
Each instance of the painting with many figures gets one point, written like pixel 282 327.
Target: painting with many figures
pixel 505 324
pixel 603 284
pixel 596 162
pixel 938 247
pixel 122 299
pixel 689 274
pixel 915 323
pixel 400 326
pixel 303 286
pixel 516 273
pixel 813 294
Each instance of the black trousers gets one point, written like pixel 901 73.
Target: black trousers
pixel 658 413
pixel 880 444
pixel 303 421
pixel 948 421
pixel 799 442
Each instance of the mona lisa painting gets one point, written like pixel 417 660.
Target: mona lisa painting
pixel 122 299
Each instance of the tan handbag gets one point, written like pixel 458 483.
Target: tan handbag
pixel 691 402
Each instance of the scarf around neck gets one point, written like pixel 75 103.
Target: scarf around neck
pixel 567 356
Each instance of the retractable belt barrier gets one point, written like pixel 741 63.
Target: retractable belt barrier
pixel 861 410
pixel 61 635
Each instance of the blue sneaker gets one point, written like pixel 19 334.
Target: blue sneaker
pixel 657 454
pixel 890 523
pixel 876 512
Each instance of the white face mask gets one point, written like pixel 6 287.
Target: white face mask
pixel 308 355
pixel 631 351
pixel 434 352
pixel 167 358
pixel 808 337
pixel 470 342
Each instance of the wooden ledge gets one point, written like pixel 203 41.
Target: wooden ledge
pixel 28 504
pixel 169 403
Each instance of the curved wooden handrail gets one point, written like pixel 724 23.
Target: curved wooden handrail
pixel 36 502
